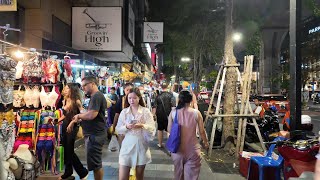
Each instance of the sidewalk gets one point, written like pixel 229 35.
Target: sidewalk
pixel 161 167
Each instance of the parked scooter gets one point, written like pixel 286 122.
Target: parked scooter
pixel 267 125
pixel 298 153
pixel 316 98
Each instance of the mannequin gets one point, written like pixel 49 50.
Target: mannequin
pixel 24 153
pixel 21 157
pixel 5 172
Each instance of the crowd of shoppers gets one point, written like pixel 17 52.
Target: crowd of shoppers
pixel 134 125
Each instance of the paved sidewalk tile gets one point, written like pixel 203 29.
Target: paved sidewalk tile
pixel 161 167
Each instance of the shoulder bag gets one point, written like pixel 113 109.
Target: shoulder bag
pixel 173 141
pixel 164 108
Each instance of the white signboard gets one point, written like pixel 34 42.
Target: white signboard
pixel 97 28
pixel 153 32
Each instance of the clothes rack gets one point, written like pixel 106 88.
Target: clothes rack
pixel 43 50
pixel 6 28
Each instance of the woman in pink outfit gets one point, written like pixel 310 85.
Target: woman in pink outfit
pixel 187 161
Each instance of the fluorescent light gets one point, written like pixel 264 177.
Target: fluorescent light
pixel 185 59
pixel 82 66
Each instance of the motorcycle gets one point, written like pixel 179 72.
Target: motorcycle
pixel 316 98
pixel 298 153
pixel 267 125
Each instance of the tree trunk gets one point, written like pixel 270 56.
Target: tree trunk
pixel 230 85
pixel 195 70
pixel 175 70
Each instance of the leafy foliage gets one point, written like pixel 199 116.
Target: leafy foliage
pixel 191 30
pixel 314 6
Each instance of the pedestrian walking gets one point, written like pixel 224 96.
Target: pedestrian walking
pixel 113 98
pixel 163 105
pixel 93 125
pixel 194 102
pixel 137 124
pixel 119 106
pixel 187 160
pixel 175 90
pixel 71 106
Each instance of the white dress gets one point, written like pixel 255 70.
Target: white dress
pixel 135 150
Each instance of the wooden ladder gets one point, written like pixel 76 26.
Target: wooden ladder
pixel 245 109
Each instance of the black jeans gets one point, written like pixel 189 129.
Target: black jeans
pixel 71 159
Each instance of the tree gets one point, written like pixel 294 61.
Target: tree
pixel 231 78
pixel 313 5
pixel 194 32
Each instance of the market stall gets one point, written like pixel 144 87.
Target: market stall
pixel 31 85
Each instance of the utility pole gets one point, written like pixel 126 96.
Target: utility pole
pixel 295 64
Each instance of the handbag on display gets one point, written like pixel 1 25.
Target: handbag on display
pixel 174 140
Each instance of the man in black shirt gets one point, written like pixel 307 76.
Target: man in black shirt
pixel 93 125
pixel 114 98
pixel 162 108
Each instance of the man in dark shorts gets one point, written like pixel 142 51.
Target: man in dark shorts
pixel 162 108
pixel 93 125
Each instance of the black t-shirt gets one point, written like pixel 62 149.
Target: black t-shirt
pixel 163 103
pixel 119 105
pixel 97 125
pixel 113 97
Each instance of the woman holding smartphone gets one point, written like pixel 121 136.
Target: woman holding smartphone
pixel 137 124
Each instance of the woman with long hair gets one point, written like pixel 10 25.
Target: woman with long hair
pixel 187 161
pixel 71 106
pixel 137 124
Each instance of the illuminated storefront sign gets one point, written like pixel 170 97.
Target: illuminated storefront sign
pixel 314 30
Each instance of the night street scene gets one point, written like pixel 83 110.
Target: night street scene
pixel 159 89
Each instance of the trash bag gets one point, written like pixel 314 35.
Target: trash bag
pixel 113 145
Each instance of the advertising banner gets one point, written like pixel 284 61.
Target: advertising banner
pixel 153 32
pixel 97 28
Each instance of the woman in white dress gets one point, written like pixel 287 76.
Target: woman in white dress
pixel 137 124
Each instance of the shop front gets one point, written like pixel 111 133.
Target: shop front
pixel 310 43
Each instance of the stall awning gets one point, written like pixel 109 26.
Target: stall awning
pixel 82 55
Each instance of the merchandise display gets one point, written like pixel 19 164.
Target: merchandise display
pixel 30 103
pixel 7 78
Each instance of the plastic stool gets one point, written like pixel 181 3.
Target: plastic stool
pixel 268 161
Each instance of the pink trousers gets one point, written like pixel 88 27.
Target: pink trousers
pixel 186 167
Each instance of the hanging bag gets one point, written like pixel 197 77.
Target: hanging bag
pixel 113 145
pixel 173 141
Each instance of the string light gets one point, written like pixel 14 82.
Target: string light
pixel 19 54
